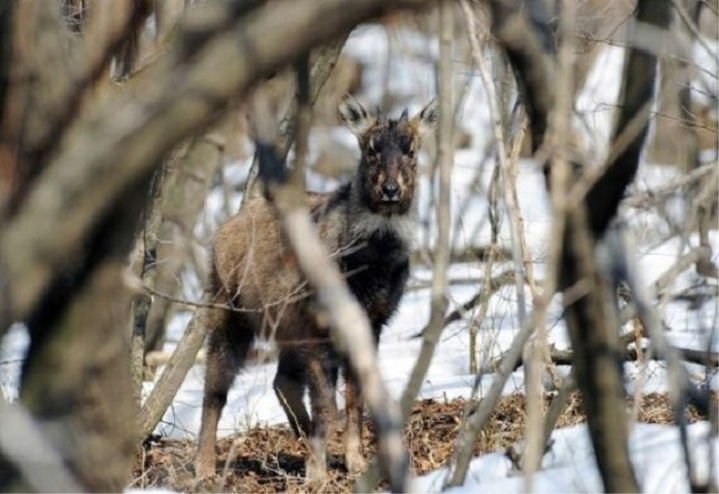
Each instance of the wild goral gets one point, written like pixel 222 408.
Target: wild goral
pixel 366 225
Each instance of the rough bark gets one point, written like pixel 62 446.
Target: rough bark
pixel 189 178
pixel 142 302
pixel 75 378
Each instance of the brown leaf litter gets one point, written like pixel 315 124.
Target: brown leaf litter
pixel 270 459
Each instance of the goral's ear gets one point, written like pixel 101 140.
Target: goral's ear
pixel 426 120
pixel 355 116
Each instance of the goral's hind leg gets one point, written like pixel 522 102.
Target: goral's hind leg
pixel 229 342
pixel 322 378
pixel 289 384
pixel 354 449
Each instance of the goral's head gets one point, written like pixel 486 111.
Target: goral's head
pixel 388 168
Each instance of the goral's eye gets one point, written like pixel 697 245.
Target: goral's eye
pixel 407 149
pixel 374 147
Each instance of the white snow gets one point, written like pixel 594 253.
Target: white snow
pixel 12 350
pixel 570 467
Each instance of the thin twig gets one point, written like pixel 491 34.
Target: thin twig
pixel 644 198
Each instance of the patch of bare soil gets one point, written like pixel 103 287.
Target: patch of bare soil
pixel 270 459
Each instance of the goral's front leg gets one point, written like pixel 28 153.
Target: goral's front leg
pixel 354 450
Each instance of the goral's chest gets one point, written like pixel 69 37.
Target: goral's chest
pixel 379 260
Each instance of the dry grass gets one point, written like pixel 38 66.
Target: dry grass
pixel 270 459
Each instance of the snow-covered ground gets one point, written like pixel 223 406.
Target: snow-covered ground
pixel 570 466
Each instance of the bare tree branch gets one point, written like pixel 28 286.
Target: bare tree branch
pixel 593 334
pixel 476 418
pixel 648 197
pixel 566 357
pixel 175 371
pixel 493 284
pixel 517 452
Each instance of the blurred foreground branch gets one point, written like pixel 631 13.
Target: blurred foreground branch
pixel 22 444
pixel 349 324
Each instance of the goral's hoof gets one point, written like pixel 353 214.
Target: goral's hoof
pixel 355 462
pixel 204 469
pixel 315 470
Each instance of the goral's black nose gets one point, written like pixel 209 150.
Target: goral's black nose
pixel 390 191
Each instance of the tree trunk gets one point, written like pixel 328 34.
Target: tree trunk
pixel 76 378
pixel 187 184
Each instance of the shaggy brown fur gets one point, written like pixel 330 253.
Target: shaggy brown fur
pixel 367 227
